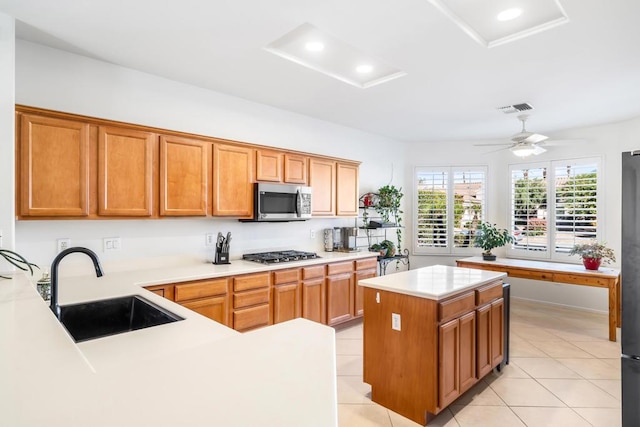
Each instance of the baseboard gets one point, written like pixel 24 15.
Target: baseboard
pixel 555 304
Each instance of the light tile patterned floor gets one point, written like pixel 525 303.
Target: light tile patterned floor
pixel 563 371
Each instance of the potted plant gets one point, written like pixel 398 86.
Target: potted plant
pixel 388 206
pixel 489 236
pixel 16 260
pixel 386 248
pixel 593 254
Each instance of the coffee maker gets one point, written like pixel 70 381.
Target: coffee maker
pixel 348 239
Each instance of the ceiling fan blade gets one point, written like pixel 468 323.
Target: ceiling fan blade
pixel 535 138
pixel 557 142
pixel 493 145
pixel 499 149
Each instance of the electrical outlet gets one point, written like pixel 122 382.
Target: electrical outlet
pixel 312 234
pixel 63 244
pixel 111 244
pixel 395 321
pixel 210 239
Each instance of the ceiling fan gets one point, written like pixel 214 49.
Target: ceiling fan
pixel 524 143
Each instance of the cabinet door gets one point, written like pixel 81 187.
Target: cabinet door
pixel 322 175
pixel 54 167
pixel 358 309
pixel 251 318
pixel 232 180
pixel 295 169
pixel 339 298
pixel 215 308
pixel 497 332
pixel 125 171
pixel 184 173
pixel 483 337
pixel 286 302
pixel 467 351
pixel 268 166
pixel 347 190
pixel 449 362
pixel 313 300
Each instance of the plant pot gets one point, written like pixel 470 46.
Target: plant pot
pixel 488 257
pixel 591 263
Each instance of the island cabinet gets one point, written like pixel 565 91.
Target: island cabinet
pixel 285 297
pixel 251 297
pixel 53 165
pixel 314 294
pixel 422 352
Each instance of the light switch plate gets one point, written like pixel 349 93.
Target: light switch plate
pixel 395 321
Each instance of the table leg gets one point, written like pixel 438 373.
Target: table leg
pixel 613 310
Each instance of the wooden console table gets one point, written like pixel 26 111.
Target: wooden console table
pixel 573 274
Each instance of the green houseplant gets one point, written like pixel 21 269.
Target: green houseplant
pixel 593 254
pixel 388 206
pixel 386 248
pixel 489 237
pixel 16 260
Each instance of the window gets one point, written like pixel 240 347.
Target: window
pixel 450 203
pixel 554 206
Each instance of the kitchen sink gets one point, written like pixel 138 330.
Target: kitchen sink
pixel 95 319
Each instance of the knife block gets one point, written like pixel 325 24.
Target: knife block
pixel 221 258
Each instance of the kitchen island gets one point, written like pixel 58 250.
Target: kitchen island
pixel 429 335
pixel 193 372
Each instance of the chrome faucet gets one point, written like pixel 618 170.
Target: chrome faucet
pixel 54 273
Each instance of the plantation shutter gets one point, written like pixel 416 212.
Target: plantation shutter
pixel 469 195
pixel 431 216
pixel 529 208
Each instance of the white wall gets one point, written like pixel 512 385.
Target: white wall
pixel 607 142
pixel 53 79
pixel 7 138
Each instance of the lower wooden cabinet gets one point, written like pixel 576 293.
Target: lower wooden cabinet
pixel 358 304
pixel 286 295
pixel 215 308
pixel 251 297
pixel 339 298
pixel 490 336
pixel 457 362
pixel 314 294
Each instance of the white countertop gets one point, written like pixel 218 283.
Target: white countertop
pixel 435 282
pixel 193 372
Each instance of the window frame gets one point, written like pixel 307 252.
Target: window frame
pixel 450 249
pixel 551 254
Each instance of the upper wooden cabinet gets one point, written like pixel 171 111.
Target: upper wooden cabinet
pixel 184 174
pixel 276 166
pixel 53 161
pixel 322 179
pixel 295 169
pixel 125 171
pixel 232 180
pixel 346 190
pixel 268 166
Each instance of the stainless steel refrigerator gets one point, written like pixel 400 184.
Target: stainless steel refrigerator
pixel 631 289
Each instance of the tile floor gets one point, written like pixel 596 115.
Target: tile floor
pixel 563 371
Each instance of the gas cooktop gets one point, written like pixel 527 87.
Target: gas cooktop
pixel 279 256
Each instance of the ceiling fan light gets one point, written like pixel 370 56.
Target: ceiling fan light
pixel 523 151
pixel 538 150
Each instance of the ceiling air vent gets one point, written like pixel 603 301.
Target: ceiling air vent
pixel 516 108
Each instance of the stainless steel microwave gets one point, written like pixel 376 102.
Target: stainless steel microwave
pixel 282 202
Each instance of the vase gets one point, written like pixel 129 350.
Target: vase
pixel 591 263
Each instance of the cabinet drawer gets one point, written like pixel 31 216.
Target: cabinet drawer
pixel 209 288
pixel 457 306
pixel 488 293
pixel 365 264
pixel 250 298
pixel 313 272
pixel 254 281
pixel 286 276
pixel 530 274
pixel 251 318
pixel 339 267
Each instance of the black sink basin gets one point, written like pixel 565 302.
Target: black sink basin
pixel 97 319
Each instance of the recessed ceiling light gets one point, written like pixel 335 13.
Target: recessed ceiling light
pixel 364 68
pixel 314 46
pixel 509 14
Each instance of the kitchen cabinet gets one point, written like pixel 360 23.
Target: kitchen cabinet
pixel 251 297
pixel 125 171
pixel 439 349
pixel 233 180
pixel 268 166
pixel 340 292
pixel 184 176
pixel 314 295
pixel 346 189
pixel 286 300
pixel 322 179
pixel 295 169
pixel 53 165
pixel 361 274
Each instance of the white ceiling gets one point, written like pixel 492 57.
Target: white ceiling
pixel 583 73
